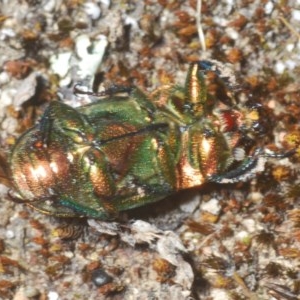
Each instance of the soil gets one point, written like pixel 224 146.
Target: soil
pixel 236 241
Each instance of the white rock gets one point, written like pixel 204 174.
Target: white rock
pixel 26 89
pixel 219 294
pixel 251 226
pixel 279 67
pixel 190 205
pixel 4 78
pixel 53 296
pixel 242 235
pixel 10 234
pixel 7 33
pixel 105 2
pixel 49 5
pixel 9 125
pixel 212 206
pixel 269 7
pixel 60 63
pixel 296 14
pixel 90 60
pixel 7 97
pixel 92 10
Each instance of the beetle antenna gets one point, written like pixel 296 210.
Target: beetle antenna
pixel 79 89
pixel 271 154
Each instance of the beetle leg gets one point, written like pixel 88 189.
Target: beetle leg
pixel 247 170
pixel 76 209
pixel 66 120
pixel 272 154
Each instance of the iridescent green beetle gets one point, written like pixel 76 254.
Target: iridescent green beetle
pixel 125 151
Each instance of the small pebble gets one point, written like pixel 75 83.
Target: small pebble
pixel 296 14
pixel 60 63
pixel 49 5
pixel 106 2
pixel 92 10
pixel 9 234
pixel 31 292
pixel 269 7
pixel 100 277
pixel 26 89
pixel 9 125
pixel 4 78
pixel 53 296
pixel 212 206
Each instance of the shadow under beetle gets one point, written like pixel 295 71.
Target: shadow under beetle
pixel 130 149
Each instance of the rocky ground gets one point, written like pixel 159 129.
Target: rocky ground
pixel 238 241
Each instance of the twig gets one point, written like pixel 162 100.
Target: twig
pixel 199 26
pixel 289 26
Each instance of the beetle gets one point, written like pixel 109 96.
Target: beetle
pixel 128 149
